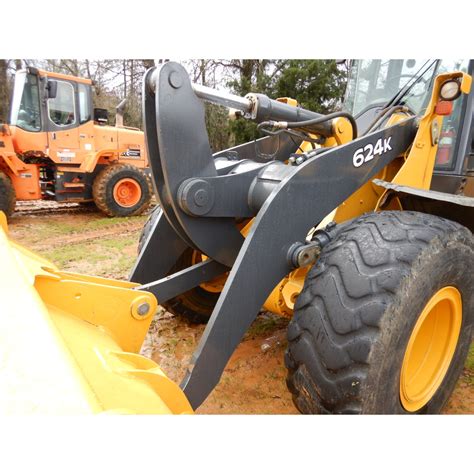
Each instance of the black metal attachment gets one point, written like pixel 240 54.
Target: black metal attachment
pixel 301 255
pixel 184 280
pixel 203 196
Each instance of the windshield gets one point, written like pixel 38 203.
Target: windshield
pixel 375 81
pixel 25 111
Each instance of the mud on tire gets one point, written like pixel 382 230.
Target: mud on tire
pixel 359 305
pixel 7 195
pixel 107 179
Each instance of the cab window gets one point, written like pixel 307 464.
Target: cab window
pixel 376 81
pixel 84 104
pixel 25 109
pixel 61 109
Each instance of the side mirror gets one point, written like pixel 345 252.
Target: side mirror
pixel 52 89
pixel 101 116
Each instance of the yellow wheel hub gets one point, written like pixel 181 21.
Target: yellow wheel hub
pixel 431 348
pixel 215 285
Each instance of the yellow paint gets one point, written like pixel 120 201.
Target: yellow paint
pixel 85 334
pixel 288 100
pixel 417 170
pixel 216 284
pixel 294 286
pixel 414 169
pixel 430 348
pixel 3 222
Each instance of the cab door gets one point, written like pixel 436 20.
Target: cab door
pixel 454 167
pixel 63 124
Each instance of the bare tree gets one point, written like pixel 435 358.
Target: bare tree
pixel 4 92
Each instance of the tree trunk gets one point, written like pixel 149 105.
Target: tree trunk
pixel 203 72
pixel 4 92
pixel 125 78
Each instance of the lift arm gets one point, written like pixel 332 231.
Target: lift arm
pixel 286 201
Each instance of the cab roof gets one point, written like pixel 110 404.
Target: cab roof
pixel 57 75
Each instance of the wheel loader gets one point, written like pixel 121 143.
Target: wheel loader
pixel 58 147
pixel 357 225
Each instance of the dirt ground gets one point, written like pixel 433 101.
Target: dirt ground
pixel 85 241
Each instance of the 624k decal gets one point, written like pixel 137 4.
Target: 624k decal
pixel 369 151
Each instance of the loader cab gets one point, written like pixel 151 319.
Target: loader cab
pixel 375 85
pixel 48 109
pixel 44 101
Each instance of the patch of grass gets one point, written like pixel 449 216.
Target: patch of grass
pixel 173 342
pixel 266 323
pixel 470 358
pixel 57 227
pixel 468 372
pixel 119 242
pixel 107 255
pixel 109 221
pixel 74 252
pixel 42 231
pixel 125 263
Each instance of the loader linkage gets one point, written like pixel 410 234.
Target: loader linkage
pixel 202 195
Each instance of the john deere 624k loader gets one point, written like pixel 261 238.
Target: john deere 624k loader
pixel 356 224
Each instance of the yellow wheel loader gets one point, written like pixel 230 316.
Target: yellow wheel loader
pixel 357 225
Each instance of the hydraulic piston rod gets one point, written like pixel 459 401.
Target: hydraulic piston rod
pixel 214 96
pixel 257 107
pixel 223 98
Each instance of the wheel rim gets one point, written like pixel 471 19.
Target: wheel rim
pixel 127 192
pixel 430 348
pixel 215 285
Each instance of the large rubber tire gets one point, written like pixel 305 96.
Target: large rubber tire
pixel 360 303
pixel 152 216
pixel 7 195
pixel 107 179
pixel 195 305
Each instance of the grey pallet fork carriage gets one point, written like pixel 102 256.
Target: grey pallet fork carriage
pixel 202 195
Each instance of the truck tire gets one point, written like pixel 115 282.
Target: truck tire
pixel 7 195
pixel 152 216
pixel 195 305
pixel 385 318
pixel 121 190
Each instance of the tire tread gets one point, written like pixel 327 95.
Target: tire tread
pixel 338 314
pixel 101 181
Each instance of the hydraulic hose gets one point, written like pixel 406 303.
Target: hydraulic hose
pixel 325 118
pixel 384 114
pixel 307 124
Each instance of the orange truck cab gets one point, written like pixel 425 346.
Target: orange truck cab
pixel 57 146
